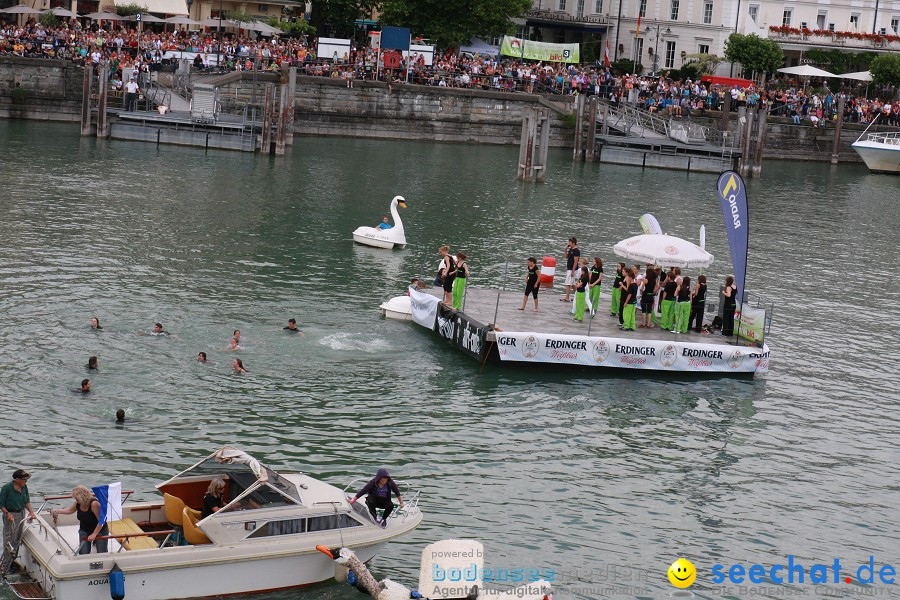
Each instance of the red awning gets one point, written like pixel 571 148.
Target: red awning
pixel 729 81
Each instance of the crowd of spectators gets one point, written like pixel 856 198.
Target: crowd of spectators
pixel 124 48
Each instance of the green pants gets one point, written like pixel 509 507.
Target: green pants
pixel 682 314
pixel 628 316
pixel 668 314
pixel 459 290
pixel 595 298
pixel 616 298
pixel 579 306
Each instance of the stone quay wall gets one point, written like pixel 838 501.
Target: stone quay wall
pixel 40 89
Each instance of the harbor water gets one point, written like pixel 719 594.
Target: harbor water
pixel 605 479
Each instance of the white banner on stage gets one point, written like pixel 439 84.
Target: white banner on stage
pixel 424 308
pixel 630 354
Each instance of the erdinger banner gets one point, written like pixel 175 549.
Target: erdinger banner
pixel 461 331
pixel 733 197
pixel 629 353
pixel 753 323
pixel 424 308
pixel 543 51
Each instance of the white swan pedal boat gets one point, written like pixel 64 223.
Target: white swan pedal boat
pixel 264 538
pixel 384 238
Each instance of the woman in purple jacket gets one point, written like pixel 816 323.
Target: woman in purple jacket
pixel 379 495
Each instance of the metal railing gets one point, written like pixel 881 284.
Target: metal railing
pixel 891 138
pixel 633 121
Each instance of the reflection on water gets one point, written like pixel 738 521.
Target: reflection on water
pixel 549 470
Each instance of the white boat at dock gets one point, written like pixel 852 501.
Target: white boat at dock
pixel 880 152
pixel 264 537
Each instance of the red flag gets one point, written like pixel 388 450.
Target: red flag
pixel 606 54
pixel 637 32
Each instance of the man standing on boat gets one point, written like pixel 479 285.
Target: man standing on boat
pixel 14 501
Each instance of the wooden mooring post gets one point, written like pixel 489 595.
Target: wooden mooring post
pixel 746 143
pixel 102 95
pixel 592 128
pixel 761 117
pixel 86 99
pixel 836 149
pixel 282 120
pixel 268 110
pixel 579 128
pixel 292 98
pixel 533 145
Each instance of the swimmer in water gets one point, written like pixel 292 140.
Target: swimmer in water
pixel 237 335
pixel 234 344
pixel 158 330
pixel 95 323
pixel 93 363
pixel 292 327
pixel 120 416
pixel 238 366
pixel 85 386
pixel 201 357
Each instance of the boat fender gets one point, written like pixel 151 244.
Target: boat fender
pixel 116 583
pixel 340 573
pixel 415 595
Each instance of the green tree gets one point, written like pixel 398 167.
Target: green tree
pixel 451 24
pixel 126 10
pixel 297 25
pixel 336 17
pixel 754 53
pixel 885 69
pixel 705 64
pixel 626 65
pixel 238 16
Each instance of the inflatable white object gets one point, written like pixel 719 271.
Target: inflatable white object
pixel 397 307
pixel 384 238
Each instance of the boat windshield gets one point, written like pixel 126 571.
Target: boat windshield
pixel 260 495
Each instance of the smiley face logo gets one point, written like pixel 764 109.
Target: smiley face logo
pixel 682 573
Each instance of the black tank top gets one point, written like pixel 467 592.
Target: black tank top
pixel 684 294
pixel 731 303
pixel 462 269
pixel 87 520
pixel 595 275
pixel 700 298
pixel 447 275
pixel 532 276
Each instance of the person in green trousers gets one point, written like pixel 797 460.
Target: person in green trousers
pixel 459 284
pixel 667 303
pixel 581 288
pixel 616 291
pixel 594 284
pixel 682 305
pixel 629 301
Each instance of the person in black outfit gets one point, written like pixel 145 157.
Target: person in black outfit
pixel 87 510
pixel 729 306
pixel 698 303
pixel 448 268
pixel 532 283
pixel 213 500
pixel 378 495
pixel 573 254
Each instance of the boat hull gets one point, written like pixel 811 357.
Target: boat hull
pixel 397 308
pixel 211 577
pixel 880 158
pixel 371 240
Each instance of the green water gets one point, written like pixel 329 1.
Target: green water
pixel 549 470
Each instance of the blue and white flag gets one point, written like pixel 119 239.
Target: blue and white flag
pixel 733 197
pixel 110 499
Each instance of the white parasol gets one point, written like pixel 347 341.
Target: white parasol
pixel 147 18
pixel 60 12
pixel 806 71
pixel 663 250
pixel 21 9
pixel 105 16
pixel 858 76
pixel 182 21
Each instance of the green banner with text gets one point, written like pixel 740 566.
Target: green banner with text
pixel 543 51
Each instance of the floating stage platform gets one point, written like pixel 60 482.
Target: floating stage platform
pixel 551 337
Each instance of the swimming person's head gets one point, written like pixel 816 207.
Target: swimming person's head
pixel 93 362
pixel 85 385
pixel 95 323
pixel 238 365
pixel 201 357
pixel 157 328
pixel 120 416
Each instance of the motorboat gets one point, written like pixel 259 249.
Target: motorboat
pixel 384 238
pixel 264 537
pixel 880 152
pixel 397 307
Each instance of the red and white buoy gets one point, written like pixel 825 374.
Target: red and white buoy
pixel 548 271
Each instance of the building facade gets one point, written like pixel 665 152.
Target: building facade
pixel 671 31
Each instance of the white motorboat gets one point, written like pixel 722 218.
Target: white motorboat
pixel 880 152
pixel 264 538
pixel 384 238
pixel 397 307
